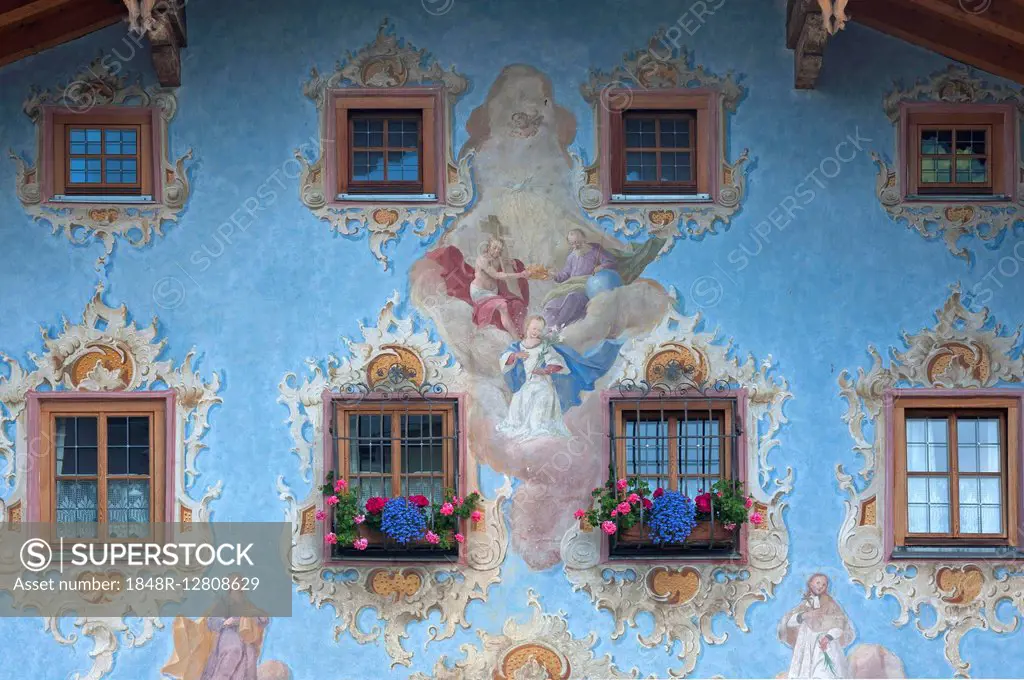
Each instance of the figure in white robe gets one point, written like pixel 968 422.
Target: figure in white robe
pixel 535 410
pixel 819 631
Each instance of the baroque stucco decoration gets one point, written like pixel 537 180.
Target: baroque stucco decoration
pixel 99 85
pixel 951 220
pixel 964 350
pixel 405 593
pixel 386 62
pixel 661 66
pixel 106 352
pixel 683 600
pixel 541 648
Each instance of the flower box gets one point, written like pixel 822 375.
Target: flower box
pixel 703 533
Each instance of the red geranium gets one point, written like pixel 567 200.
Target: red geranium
pixel 659 492
pixel 647 503
pixel 421 501
pixel 703 502
pixel 375 504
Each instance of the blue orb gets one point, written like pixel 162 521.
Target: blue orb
pixel 602 281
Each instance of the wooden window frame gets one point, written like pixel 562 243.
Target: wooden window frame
pixel 915 403
pixel 704 104
pixel 726 419
pixel 57 122
pixel 45 407
pixel 658 186
pixel 1001 145
pixel 385 186
pixel 396 409
pixel 343 103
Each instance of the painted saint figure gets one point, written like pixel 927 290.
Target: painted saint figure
pixel 819 631
pixel 217 648
pixel 485 286
pixel 546 380
pixel 581 276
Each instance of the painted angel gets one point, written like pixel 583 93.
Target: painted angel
pixel 819 631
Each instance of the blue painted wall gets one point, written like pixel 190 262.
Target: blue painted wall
pixel 840 277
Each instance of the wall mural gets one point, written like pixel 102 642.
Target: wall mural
pixel 99 85
pixel 965 349
pixel 399 595
pixel 684 600
pixel 943 219
pixel 819 632
pixel 386 62
pixel 219 648
pixel 659 66
pixel 105 352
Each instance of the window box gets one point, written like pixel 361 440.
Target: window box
pixel 705 535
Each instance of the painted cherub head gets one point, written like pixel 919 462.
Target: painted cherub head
pixel 535 327
pixel 817 585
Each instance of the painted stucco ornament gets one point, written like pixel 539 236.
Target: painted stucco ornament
pixel 542 648
pixel 138 224
pixel 965 349
pixel 106 352
pixel 386 62
pixel 392 350
pixel 661 65
pixel 951 220
pixel 683 599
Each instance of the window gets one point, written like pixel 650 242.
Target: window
pixel 661 146
pixel 958 154
pixel 677 445
pixel 659 149
pixel 103 157
pixel 396 448
pixel 387 145
pixel 955 472
pixel 104 465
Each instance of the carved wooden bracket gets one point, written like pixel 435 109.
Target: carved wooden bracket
pixel 806 36
pixel 164 24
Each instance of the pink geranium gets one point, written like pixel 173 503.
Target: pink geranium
pixel 623 508
pixel 579 514
pixel 432 538
pixel 476 516
pixel 459 538
pixel 730 526
pixel 633 498
pixel 360 544
pixel 340 486
pixel 359 519
pixel 608 527
pixel 457 501
pixel 321 515
pixel 332 500
pixel 331 538
pixel 447 509
pixel 749 502
pixel 703 502
pixel 622 485
pixel 615 513
pixel 756 518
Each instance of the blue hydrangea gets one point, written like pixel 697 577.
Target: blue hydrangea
pixel 673 517
pixel 403 520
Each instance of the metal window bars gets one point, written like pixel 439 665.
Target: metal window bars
pixel 401 438
pixel 682 434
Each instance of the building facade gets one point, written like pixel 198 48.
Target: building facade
pixel 579 242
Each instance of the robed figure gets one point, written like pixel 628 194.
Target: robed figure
pixel 819 631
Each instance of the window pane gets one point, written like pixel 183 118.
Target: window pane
pixel 675 167
pixel 641 166
pixel 640 133
pixel 926 445
pixel 127 503
pixel 403 134
pixel 936 141
pixel 675 133
pixel 647 451
pixel 928 504
pixel 371 443
pixel 980 505
pixel 422 443
pixel 403 166
pixel 970 142
pixel 367 166
pixel 978 445
pixel 368 133
pixel 76 501
pixel 75 445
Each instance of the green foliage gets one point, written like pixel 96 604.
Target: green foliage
pixel 728 502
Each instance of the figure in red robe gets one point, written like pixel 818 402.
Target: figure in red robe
pixel 485 287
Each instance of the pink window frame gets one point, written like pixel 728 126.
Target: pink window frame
pixel 742 402
pixel 890 395
pixel 35 399
pixel 330 400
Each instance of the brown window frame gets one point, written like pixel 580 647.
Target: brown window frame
pixel 659 186
pixel 396 408
pixel 1007 410
pixel 703 105
pixel 101 409
pixel 350 103
pixel 138 118
pixel 999 139
pixel 386 185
